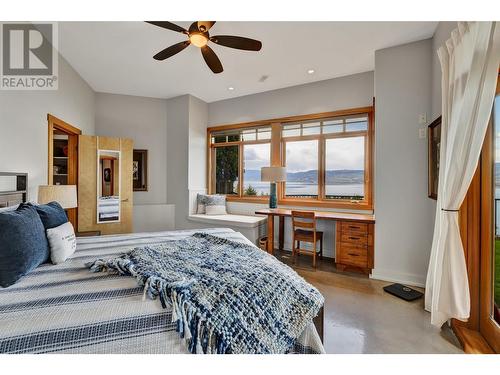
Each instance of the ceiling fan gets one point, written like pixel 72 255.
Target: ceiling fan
pixel 198 36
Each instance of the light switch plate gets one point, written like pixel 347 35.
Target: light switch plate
pixel 422 133
pixel 422 118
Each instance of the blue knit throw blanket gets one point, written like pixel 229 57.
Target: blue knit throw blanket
pixel 226 297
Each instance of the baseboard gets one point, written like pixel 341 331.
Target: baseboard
pixel 402 278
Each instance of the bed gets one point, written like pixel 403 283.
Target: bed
pixel 66 309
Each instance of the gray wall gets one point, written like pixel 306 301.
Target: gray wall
pixel 23 123
pixel 198 114
pixel 178 156
pixel 404 214
pixel 186 153
pixel 144 120
pixel 329 95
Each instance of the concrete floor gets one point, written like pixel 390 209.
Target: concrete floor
pixel 361 318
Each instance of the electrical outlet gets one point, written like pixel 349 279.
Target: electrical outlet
pixel 422 118
pixel 422 133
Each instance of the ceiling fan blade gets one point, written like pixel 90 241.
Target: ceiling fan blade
pixel 237 42
pixel 168 25
pixel 211 59
pixel 172 50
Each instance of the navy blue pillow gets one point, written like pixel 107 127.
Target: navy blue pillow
pixel 23 244
pixel 51 214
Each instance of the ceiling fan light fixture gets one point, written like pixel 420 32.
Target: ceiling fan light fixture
pixel 198 35
pixel 198 40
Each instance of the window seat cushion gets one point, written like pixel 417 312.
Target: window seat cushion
pixel 241 221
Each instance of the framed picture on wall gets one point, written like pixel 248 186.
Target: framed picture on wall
pixel 140 170
pixel 434 143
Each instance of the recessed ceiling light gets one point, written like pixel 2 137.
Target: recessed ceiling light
pixel 230 88
pixel 310 71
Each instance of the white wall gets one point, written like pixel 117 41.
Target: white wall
pixel 23 123
pixel 330 95
pixel 442 33
pixel 144 120
pixel 404 213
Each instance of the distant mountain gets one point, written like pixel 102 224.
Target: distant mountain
pixel 333 177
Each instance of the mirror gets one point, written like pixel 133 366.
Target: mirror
pixel 108 186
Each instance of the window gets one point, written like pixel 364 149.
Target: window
pixel 226 170
pixel 345 168
pixel 301 169
pixel 255 156
pixel 327 157
pixel 236 157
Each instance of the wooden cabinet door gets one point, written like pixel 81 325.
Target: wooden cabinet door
pixel 87 184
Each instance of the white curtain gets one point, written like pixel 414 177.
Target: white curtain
pixel 469 65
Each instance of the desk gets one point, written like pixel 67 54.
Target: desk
pixel 354 237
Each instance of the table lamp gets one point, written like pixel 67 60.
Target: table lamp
pixel 273 175
pixel 65 195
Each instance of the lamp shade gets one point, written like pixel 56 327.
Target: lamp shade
pixel 273 174
pixel 65 195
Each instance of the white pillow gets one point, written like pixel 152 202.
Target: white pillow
pixel 62 242
pixel 216 210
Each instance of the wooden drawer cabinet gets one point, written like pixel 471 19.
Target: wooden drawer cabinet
pixel 354 246
pixel 354 239
pixel 353 256
pixel 349 227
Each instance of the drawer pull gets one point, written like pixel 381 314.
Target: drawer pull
pixel 354 227
pixel 353 254
pixel 354 238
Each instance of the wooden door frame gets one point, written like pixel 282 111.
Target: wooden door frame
pixel 479 334
pixel 487 326
pixel 73 133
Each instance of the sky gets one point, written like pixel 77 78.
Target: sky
pixel 345 153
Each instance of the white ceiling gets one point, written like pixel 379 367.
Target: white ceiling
pixel 117 57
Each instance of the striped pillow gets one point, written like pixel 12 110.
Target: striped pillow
pixel 215 205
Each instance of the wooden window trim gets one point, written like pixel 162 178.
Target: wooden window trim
pixel 277 157
pixel 211 171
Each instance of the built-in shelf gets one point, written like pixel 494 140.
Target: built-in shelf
pixel 61 157
pixel 60 174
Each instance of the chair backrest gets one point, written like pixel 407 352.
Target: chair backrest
pixel 304 220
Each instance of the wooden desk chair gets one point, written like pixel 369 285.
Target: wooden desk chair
pixel 304 230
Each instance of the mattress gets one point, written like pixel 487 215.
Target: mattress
pixel 65 308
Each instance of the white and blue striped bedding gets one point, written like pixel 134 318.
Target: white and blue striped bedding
pixel 65 308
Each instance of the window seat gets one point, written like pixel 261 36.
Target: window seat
pixel 239 221
pixel 252 227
